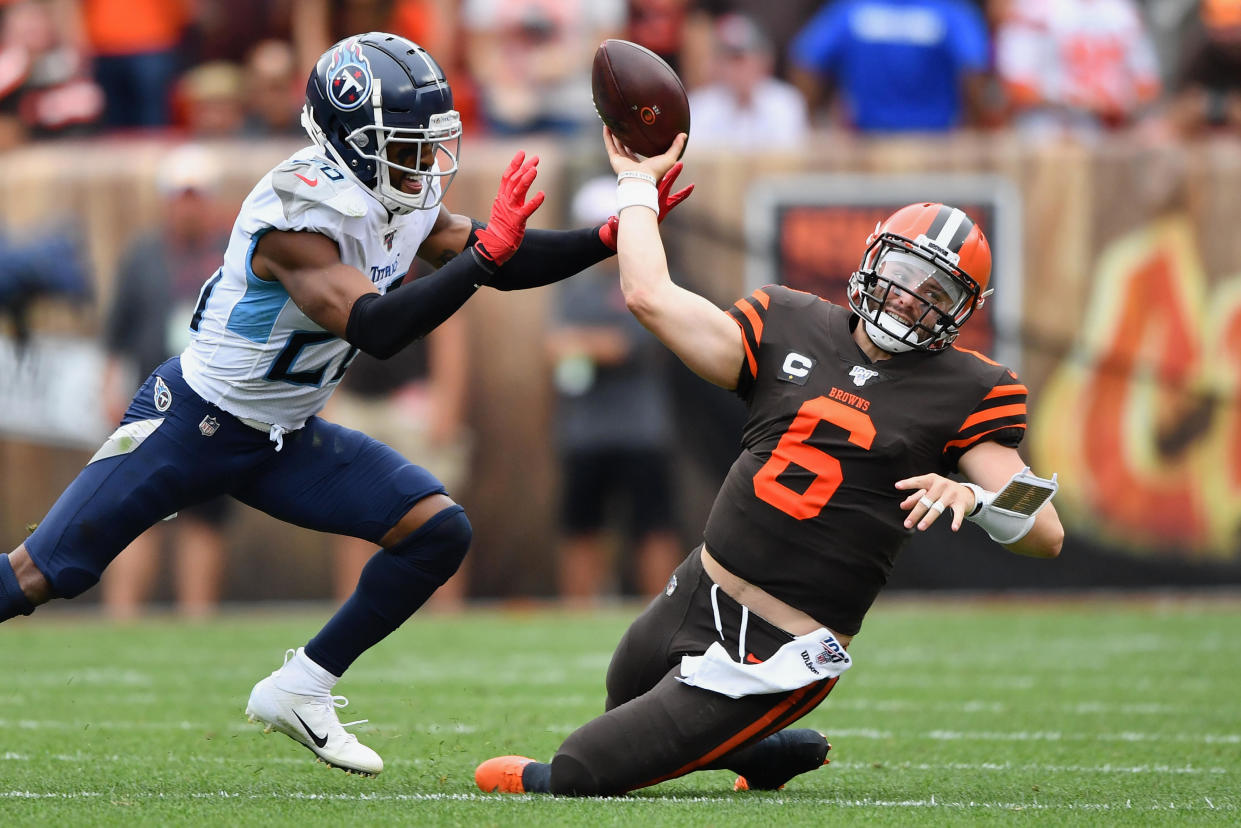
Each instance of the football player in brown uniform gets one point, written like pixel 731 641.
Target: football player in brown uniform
pixel 856 418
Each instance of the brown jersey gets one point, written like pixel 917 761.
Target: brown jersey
pixel 809 510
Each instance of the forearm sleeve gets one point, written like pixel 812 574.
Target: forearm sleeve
pixel 381 325
pixel 547 256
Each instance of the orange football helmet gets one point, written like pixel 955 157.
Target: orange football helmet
pixel 925 270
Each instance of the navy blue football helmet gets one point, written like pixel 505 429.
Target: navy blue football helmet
pixel 374 98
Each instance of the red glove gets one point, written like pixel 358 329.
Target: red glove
pixel 667 200
pixel 504 231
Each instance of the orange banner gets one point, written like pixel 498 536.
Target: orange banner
pixel 1141 419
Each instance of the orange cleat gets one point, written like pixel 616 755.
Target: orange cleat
pixel 501 774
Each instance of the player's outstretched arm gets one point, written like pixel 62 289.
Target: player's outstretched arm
pixel 705 337
pixel 342 299
pixel 990 467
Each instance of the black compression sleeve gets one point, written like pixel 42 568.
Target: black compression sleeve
pixel 383 325
pixel 547 256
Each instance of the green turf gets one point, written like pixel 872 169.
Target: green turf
pixel 1103 712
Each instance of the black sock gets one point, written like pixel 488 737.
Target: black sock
pixel 536 777
pixel 394 583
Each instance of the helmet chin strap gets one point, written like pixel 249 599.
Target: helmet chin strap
pixel 885 340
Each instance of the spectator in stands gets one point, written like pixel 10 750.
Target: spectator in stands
pixel 435 25
pixel 431 24
pixel 1208 93
pixel 45 87
pixel 158 281
pixel 899 65
pixel 780 24
pixel 1075 66
pixel 211 99
pixel 134 43
pixel 746 106
pixel 273 103
pixel 659 25
pixel 531 60
pixel 232 29
pixel 613 431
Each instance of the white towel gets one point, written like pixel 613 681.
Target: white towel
pixel 812 657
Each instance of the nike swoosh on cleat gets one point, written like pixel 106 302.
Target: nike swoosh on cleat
pixel 319 741
pixel 311 181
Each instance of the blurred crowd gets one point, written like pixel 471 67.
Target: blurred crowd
pixel 757 71
pixel 760 75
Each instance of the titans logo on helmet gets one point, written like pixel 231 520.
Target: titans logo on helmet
pixel 349 76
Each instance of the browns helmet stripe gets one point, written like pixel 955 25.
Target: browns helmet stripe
pixel 958 239
pixel 953 231
pixel 937 223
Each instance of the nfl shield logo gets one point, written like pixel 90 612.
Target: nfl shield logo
pixel 208 425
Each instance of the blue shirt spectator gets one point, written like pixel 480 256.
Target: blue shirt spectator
pixel 901 65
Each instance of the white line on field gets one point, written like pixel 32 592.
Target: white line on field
pixel 1180 770
pixel 1041 768
pixel 642 800
pixel 981 706
pixel 841 733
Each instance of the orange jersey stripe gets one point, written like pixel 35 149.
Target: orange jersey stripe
pixel 985 359
pixel 756 321
pixel 978 437
pixel 751 362
pixel 1007 391
pixel 763 298
pixel 993 414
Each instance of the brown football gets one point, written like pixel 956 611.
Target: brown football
pixel 638 96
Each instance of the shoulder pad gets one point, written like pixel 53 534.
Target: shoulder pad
pixel 302 185
pixel 791 297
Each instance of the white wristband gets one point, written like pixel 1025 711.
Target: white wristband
pixel 1022 497
pixel 634 192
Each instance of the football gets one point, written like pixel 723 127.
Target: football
pixel 638 96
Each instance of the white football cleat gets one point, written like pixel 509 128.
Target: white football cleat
pixel 312 721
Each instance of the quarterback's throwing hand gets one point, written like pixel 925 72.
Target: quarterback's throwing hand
pixel 618 153
pixel 504 231
pixel 933 495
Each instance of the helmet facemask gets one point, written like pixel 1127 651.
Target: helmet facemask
pixel 370 145
pixel 911 295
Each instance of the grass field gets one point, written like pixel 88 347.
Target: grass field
pixel 1102 712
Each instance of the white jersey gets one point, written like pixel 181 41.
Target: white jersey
pixel 252 351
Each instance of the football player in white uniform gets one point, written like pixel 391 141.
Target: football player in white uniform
pixel 309 278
